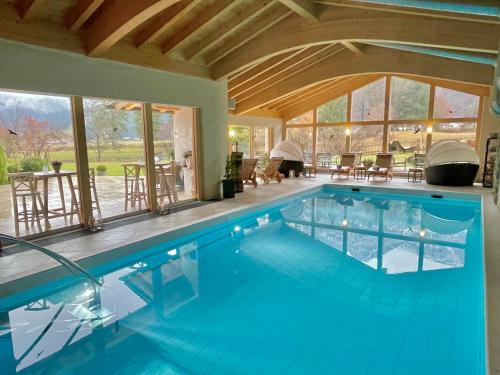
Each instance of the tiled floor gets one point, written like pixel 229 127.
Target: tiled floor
pixel 20 265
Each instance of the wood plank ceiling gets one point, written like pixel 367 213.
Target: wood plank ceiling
pixel 277 55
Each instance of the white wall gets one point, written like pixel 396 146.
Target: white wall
pixel 183 133
pixel 30 68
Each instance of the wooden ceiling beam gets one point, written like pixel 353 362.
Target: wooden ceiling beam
pixel 164 21
pixel 375 60
pixel 116 19
pixel 274 105
pixel 312 56
pixel 26 8
pixel 453 85
pixel 281 71
pixel 259 69
pixel 232 25
pixel 79 13
pixel 352 47
pixel 342 24
pixel 405 10
pixel 199 23
pixel 304 94
pixel 293 98
pixel 305 8
pixel 328 95
pixel 272 15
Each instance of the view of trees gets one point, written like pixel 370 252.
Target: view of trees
pixel 409 99
pixel 368 102
pixel 454 104
pixel 303 136
pixel 104 125
pixel 334 111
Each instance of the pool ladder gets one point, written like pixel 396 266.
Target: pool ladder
pixel 68 264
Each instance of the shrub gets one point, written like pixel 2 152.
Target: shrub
pixel 101 169
pixel 32 165
pixel 13 168
pixel 3 167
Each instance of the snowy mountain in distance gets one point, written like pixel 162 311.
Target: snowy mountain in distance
pixel 53 109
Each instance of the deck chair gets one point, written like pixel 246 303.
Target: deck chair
pixel 346 165
pixel 247 172
pixel 271 171
pixel 382 167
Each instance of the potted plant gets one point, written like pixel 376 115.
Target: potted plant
pixel 368 163
pixel 228 188
pixel 101 170
pixel 56 166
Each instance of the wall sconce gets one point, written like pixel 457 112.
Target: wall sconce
pixel 429 130
pixel 345 222
pixel 347 131
pixel 232 133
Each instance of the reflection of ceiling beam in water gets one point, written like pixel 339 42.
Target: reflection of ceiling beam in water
pixel 378 233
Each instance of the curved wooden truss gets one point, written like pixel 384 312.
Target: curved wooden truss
pixel 243 39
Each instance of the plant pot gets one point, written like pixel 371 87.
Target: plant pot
pixel 101 173
pixel 238 185
pixel 228 188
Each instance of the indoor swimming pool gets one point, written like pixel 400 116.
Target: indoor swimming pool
pixel 330 281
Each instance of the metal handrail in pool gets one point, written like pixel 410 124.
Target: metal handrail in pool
pixel 69 264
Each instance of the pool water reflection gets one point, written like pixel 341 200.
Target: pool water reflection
pixel 329 282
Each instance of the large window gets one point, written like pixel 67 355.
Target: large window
pixel 115 148
pixel 36 136
pixel 367 139
pixel 330 143
pixel 455 104
pixel 260 142
pixel 303 136
pixel 306 118
pixel 409 99
pixel 334 111
pixel 252 141
pixel 419 113
pixel 368 102
pixel 459 131
pixel 406 140
pixel 239 137
pixel 173 129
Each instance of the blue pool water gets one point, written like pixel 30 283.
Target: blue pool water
pixel 328 282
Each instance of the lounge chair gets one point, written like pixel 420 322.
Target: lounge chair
pixel 271 171
pixel 247 172
pixel 382 167
pixel 346 165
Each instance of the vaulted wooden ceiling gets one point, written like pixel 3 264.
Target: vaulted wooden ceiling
pixel 275 54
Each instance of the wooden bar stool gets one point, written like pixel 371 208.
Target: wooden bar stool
pixel 135 186
pixel 165 183
pixel 94 200
pixel 23 190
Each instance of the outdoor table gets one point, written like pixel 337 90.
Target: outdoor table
pixel 56 212
pixel 415 175
pixel 359 172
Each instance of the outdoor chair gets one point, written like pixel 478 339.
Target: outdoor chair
pixel 324 159
pixel 347 162
pixel 382 167
pixel 24 193
pixel 247 172
pixel 271 172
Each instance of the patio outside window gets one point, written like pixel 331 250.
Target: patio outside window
pixel 35 134
pixel 115 147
